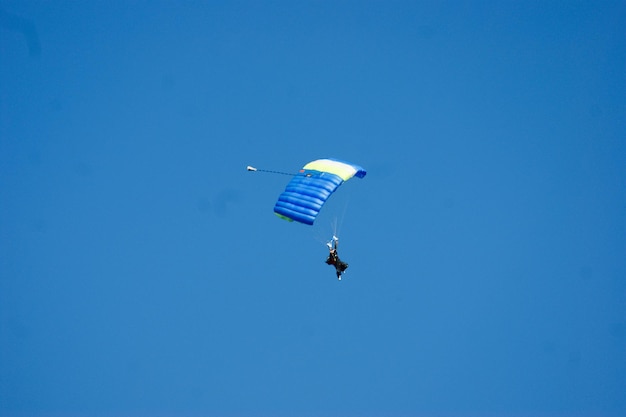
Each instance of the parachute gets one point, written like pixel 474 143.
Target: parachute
pixel 308 190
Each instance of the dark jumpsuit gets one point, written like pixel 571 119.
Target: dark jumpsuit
pixel 333 259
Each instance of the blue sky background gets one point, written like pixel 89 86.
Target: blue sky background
pixel 143 273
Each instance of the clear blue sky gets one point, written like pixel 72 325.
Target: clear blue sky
pixel 143 273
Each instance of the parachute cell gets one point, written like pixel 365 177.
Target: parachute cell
pixel 307 192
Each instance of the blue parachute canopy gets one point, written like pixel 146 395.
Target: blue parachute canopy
pixel 307 192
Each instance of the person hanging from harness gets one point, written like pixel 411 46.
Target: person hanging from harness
pixel 333 258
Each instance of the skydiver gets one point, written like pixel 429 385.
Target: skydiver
pixel 333 258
